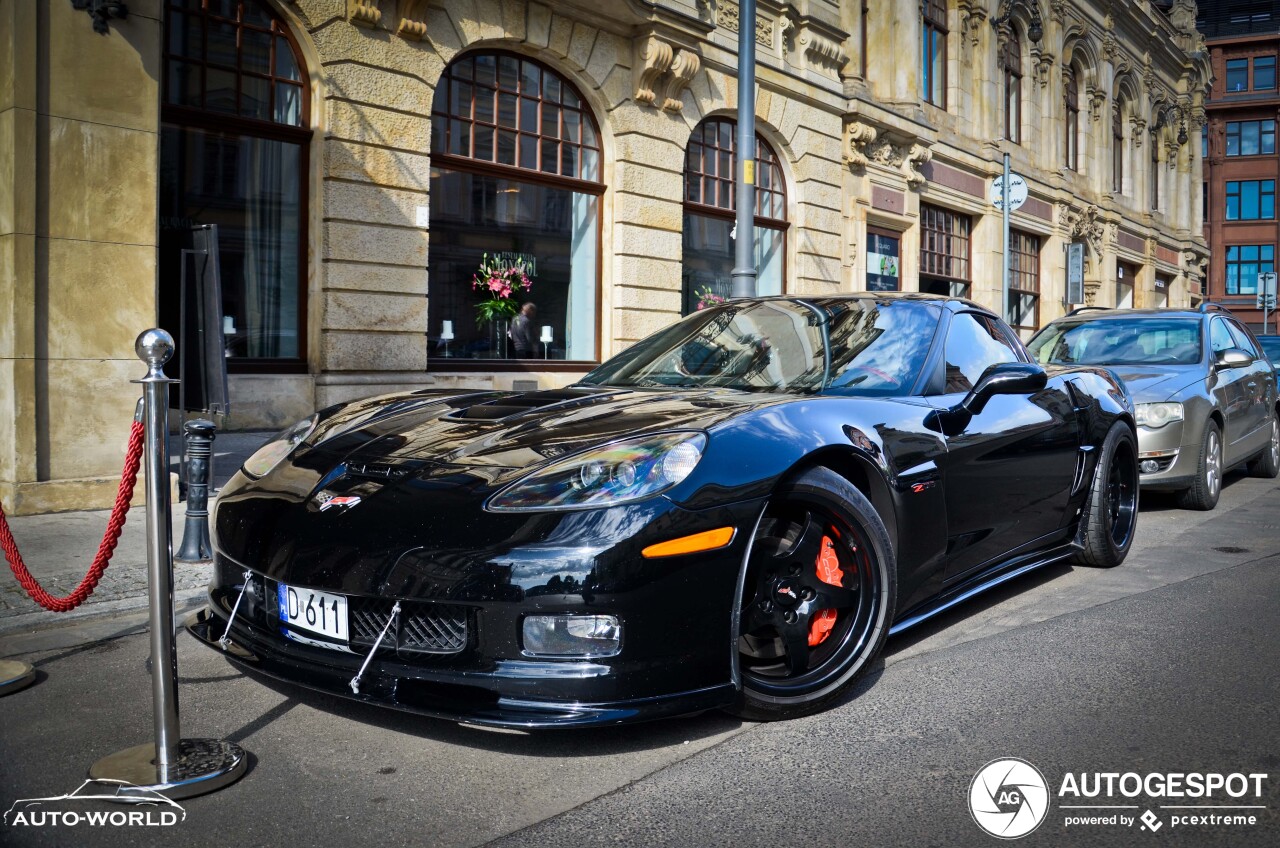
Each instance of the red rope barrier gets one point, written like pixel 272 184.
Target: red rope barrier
pixel 119 513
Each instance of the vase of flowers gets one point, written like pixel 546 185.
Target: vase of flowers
pixel 502 283
pixel 706 297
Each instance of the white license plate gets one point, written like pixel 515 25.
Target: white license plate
pixel 314 611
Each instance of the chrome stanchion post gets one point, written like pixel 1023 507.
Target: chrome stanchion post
pixel 172 766
pixel 195 548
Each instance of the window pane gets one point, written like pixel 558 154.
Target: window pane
pixel 255 98
pixel 1264 72
pixel 1249 138
pixel 255 51
pixel 249 187
pixel 219 90
pixel 472 215
pixel 222 43
pixel 286 65
pixel 1237 74
pixel 288 104
pixel 970 350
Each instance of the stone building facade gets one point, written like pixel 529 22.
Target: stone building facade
pixel 362 158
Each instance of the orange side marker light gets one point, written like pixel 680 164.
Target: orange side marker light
pixel 708 540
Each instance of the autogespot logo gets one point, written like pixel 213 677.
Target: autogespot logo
pixel 1008 798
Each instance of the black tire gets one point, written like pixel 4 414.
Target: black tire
pixel 1111 515
pixel 814 517
pixel 1267 463
pixel 1203 493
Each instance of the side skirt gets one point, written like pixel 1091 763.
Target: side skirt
pixel 978 584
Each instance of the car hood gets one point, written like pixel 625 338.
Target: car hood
pixel 524 429
pixel 1154 383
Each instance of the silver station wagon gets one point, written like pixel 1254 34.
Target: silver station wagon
pixel 1204 390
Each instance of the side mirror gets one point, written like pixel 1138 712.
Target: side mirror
pixel 1004 378
pixel 1232 357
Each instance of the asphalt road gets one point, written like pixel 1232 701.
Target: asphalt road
pixel 1166 664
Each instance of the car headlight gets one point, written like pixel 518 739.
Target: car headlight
pixel 269 455
pixel 1156 415
pixel 618 473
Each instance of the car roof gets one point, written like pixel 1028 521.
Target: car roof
pixel 953 303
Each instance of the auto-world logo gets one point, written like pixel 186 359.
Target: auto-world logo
pixel 1008 798
pixel 77 808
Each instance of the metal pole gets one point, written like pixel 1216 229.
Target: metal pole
pixel 172 766
pixel 744 255
pixel 154 348
pixel 1004 279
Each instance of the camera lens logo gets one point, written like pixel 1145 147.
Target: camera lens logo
pixel 1008 798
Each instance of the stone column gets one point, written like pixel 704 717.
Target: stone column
pixel 78 126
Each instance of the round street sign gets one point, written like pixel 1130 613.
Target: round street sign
pixel 1017 191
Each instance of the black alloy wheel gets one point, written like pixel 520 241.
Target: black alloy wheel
pixel 819 593
pixel 1112 511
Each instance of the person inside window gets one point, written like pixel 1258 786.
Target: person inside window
pixel 522 335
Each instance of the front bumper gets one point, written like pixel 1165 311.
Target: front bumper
pixel 677 614
pixel 1175 450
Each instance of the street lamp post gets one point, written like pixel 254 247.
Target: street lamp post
pixel 744 268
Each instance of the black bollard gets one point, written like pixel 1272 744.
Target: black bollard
pixel 196 549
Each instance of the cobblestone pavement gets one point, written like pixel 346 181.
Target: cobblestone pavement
pixel 59 548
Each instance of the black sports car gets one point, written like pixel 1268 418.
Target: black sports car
pixel 733 513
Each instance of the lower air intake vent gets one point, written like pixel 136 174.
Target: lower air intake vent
pixel 422 628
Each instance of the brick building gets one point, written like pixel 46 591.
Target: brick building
pixel 1242 165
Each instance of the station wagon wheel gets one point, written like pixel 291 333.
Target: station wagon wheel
pixel 1207 485
pixel 819 593
pixel 1267 465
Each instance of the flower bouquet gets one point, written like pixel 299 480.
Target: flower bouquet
pixel 503 282
pixel 706 297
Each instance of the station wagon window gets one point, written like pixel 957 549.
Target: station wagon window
pixel 974 344
pixel 1220 336
pixel 1243 340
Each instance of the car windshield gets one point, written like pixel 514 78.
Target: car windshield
pixel 861 347
pixel 1119 341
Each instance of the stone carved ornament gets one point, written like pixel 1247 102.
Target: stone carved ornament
pixel 1086 225
pixel 410 16
pixel 663 73
pixel 857 136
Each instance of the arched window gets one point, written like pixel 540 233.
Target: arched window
pixel 710 203
pixel 234 153
pixel 1011 63
pixel 515 186
pixel 1071 130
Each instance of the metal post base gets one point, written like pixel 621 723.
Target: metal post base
pixel 15 675
pixel 203 766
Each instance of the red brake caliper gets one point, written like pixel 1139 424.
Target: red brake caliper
pixel 829 572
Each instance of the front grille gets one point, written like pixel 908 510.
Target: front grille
pixel 422 628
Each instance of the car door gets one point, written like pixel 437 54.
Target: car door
pixel 1257 389
pixel 1230 389
pixel 1009 475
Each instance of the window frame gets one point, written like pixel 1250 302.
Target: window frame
pixel 1117 148
pixel 1270 65
pixel 1071 108
pixel 938 228
pixel 1235 130
pixel 1236 189
pixel 183 117
pixel 500 170
pixel 1241 67
pixel 933 47
pixel 1024 272
pixel 1011 66
pixel 1233 257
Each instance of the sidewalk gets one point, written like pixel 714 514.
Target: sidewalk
pixel 59 548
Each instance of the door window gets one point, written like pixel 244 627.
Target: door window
pixel 1220 336
pixel 1243 340
pixel 973 345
